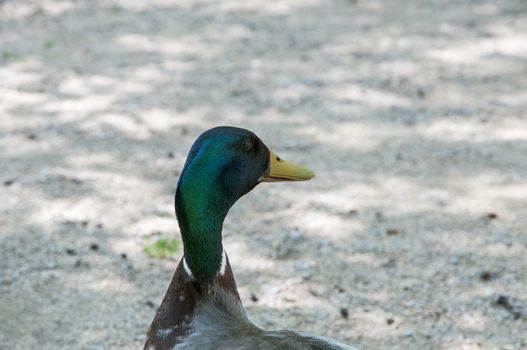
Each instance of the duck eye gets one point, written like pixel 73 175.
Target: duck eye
pixel 247 145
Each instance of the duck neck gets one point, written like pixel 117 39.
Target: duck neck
pixel 201 208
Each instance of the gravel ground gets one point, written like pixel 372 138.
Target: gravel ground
pixel 412 113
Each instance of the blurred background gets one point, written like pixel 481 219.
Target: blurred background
pixel 412 113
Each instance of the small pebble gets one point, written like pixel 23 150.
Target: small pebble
pixel 70 251
pixel 352 212
pixel 77 181
pixel 491 216
pixel 505 302
pixel 81 263
pixel 9 182
pixel 502 300
pixel 391 262
pixel 486 276
pixel 392 231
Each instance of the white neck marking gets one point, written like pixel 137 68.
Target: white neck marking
pixel 186 268
pixel 223 263
pixel 222 266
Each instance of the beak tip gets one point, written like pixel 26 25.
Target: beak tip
pixel 281 170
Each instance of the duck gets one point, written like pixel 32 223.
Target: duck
pixel 202 309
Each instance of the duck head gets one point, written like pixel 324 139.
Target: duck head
pixel 223 164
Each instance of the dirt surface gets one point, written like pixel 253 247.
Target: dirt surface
pixel 412 114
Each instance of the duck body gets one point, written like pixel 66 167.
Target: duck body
pixel 211 317
pixel 202 308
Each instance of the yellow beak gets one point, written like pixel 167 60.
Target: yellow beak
pixel 282 170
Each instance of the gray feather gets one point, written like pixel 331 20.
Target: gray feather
pixel 220 322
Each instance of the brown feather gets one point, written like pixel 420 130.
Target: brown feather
pixel 177 308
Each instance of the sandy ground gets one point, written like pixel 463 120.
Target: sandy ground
pixel 412 113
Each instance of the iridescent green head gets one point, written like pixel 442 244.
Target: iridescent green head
pixel 223 164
